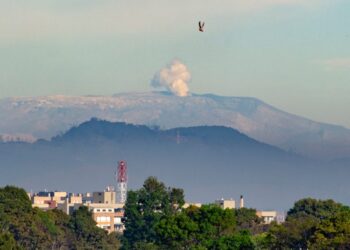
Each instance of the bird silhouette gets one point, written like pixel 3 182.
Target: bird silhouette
pixel 201 26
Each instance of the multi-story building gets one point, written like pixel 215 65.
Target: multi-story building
pixel 105 211
pixel 108 216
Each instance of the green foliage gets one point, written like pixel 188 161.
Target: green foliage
pixel 7 242
pixel 146 207
pixel 313 224
pixel 87 234
pixel 155 220
pixel 333 232
pixel 21 220
pixel 247 219
pixel 14 201
pixel 48 222
pixel 238 241
pixel 294 233
pixel 261 241
pixel 319 209
pixel 195 227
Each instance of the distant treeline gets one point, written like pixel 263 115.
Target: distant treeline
pixel 155 219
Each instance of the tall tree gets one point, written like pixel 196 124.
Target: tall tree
pixel 311 223
pixel 145 207
pixel 247 219
pixel 88 233
pixel 333 232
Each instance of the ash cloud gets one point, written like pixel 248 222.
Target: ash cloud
pixel 174 77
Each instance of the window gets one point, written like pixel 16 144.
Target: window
pixel 103 219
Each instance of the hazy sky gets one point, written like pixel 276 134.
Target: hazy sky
pixel 293 54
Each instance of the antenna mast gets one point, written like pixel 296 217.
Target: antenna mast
pixel 122 182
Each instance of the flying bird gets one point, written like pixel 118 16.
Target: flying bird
pixel 201 26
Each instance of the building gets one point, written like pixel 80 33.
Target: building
pixel 188 204
pixel 267 216
pixel 106 197
pixel 70 203
pixel 231 204
pixel 88 198
pixel 48 200
pixel 105 211
pixel 108 216
pixel 75 198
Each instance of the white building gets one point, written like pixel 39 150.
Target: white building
pixel 267 216
pixel 231 204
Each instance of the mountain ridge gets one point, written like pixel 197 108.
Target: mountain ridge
pixel 208 161
pixel 49 115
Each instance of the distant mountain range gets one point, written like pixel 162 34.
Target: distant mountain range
pixel 27 118
pixel 209 162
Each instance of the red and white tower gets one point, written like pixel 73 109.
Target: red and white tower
pixel 122 182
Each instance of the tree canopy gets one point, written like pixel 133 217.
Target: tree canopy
pixel 156 219
pixel 24 227
pixel 313 224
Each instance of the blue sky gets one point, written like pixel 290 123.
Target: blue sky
pixel 293 54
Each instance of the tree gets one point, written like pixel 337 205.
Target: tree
pixel 7 242
pixel 319 209
pixel 294 233
pixel 86 232
pixel 247 219
pixel 21 220
pixel 208 227
pixel 333 232
pixel 145 208
pixel 239 241
pixel 311 223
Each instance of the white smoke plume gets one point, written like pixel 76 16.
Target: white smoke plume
pixel 174 77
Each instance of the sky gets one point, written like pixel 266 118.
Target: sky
pixel 292 54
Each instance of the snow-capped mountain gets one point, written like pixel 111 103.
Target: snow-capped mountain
pixel 47 116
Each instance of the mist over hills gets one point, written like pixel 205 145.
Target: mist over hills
pixel 209 162
pixel 43 117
